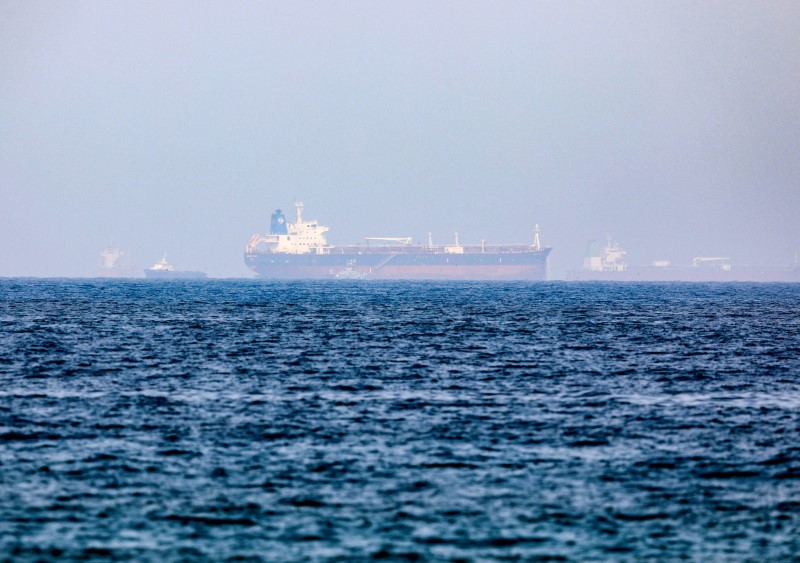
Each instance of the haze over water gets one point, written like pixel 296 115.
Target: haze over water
pixel 178 127
pixel 347 420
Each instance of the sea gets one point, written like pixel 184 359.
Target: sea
pixel 352 420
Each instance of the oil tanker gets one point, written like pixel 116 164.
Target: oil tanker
pixel 300 250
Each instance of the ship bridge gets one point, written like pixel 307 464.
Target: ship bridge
pixel 300 237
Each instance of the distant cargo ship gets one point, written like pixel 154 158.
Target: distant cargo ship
pixel 608 264
pixel 300 250
pixel 115 263
pixel 162 270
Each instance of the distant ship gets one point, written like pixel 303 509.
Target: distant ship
pixel 115 263
pixel 162 270
pixel 608 263
pixel 300 250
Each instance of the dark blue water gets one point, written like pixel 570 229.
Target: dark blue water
pixel 351 420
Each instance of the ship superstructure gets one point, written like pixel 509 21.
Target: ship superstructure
pixel 610 258
pixel 300 237
pixel 300 250
pixel 115 263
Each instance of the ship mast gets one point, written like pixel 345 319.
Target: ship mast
pixel 299 206
pixel 536 244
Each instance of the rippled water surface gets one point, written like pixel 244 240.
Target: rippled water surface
pixel 355 420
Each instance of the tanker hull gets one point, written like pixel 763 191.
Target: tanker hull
pixel 406 265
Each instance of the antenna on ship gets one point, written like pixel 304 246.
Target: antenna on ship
pixel 299 206
pixel 536 244
pixel 430 240
pixel 457 239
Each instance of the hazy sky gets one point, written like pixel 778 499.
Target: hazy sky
pixel 180 126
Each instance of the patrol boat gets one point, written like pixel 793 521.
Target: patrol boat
pixel 163 270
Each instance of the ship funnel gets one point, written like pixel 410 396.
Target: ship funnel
pixel 277 224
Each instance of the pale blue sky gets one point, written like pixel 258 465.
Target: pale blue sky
pixel 180 126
